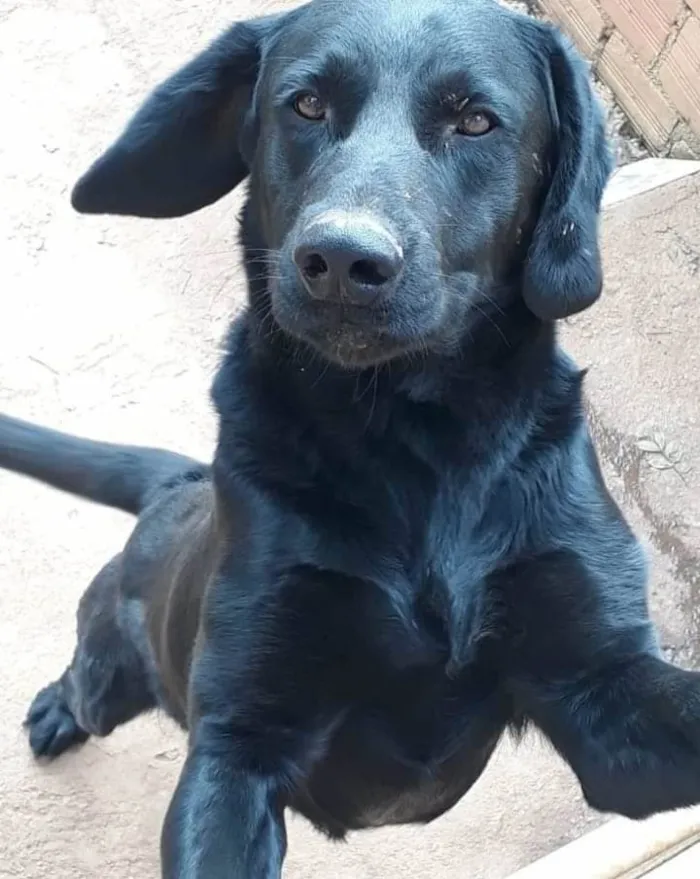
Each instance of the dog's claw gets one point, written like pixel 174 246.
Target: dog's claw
pixel 52 727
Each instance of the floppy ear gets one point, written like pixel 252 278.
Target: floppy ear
pixel 181 151
pixel 563 274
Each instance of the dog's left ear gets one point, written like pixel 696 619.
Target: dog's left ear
pixel 182 149
pixel 563 274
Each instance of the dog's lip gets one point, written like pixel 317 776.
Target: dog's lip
pixel 330 322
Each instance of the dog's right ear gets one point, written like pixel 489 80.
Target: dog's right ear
pixel 181 151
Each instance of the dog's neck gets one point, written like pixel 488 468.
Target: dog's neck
pixel 505 347
pixel 504 365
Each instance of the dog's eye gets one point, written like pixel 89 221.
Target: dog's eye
pixel 475 123
pixel 310 106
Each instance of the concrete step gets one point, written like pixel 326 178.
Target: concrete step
pixel 662 847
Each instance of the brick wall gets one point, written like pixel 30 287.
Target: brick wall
pixel 648 53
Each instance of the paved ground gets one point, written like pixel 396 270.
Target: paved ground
pixel 110 328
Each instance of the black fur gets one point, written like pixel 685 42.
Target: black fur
pixel 404 546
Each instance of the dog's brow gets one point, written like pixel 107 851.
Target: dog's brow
pixel 330 72
pixel 473 85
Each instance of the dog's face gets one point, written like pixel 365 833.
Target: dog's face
pixel 407 161
pixel 399 155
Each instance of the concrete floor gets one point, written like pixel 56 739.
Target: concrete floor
pixel 110 328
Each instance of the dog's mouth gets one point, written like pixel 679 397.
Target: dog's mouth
pixel 350 336
pixel 359 336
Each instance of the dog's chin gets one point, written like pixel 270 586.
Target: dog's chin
pixel 360 355
pixel 353 347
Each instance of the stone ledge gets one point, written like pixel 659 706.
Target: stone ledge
pixel 638 177
pixel 623 849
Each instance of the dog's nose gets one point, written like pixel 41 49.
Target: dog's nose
pixel 344 257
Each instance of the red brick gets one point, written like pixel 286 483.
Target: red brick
pixel 645 24
pixel 680 73
pixel 582 20
pixel 644 103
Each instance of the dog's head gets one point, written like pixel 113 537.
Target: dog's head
pixel 408 163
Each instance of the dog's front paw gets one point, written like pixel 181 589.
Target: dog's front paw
pixel 52 727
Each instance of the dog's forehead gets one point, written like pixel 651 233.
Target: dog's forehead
pixel 404 36
pixel 402 12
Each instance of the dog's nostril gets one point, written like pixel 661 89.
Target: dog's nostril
pixel 369 272
pixel 314 266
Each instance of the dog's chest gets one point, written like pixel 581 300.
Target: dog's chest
pixel 431 707
pixel 423 706
pixel 413 742
pixel 435 556
pixel 417 656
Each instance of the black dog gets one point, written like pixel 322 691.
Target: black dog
pixel 404 545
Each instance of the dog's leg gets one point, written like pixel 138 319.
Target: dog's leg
pixel 267 692
pixel 106 683
pixel 226 818
pixel 584 667
pixel 630 731
pixel 223 822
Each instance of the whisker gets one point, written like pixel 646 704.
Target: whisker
pixel 488 317
pixel 372 408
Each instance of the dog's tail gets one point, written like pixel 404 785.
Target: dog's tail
pixel 123 477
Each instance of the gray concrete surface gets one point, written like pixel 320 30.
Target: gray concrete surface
pixel 110 328
pixel 641 344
